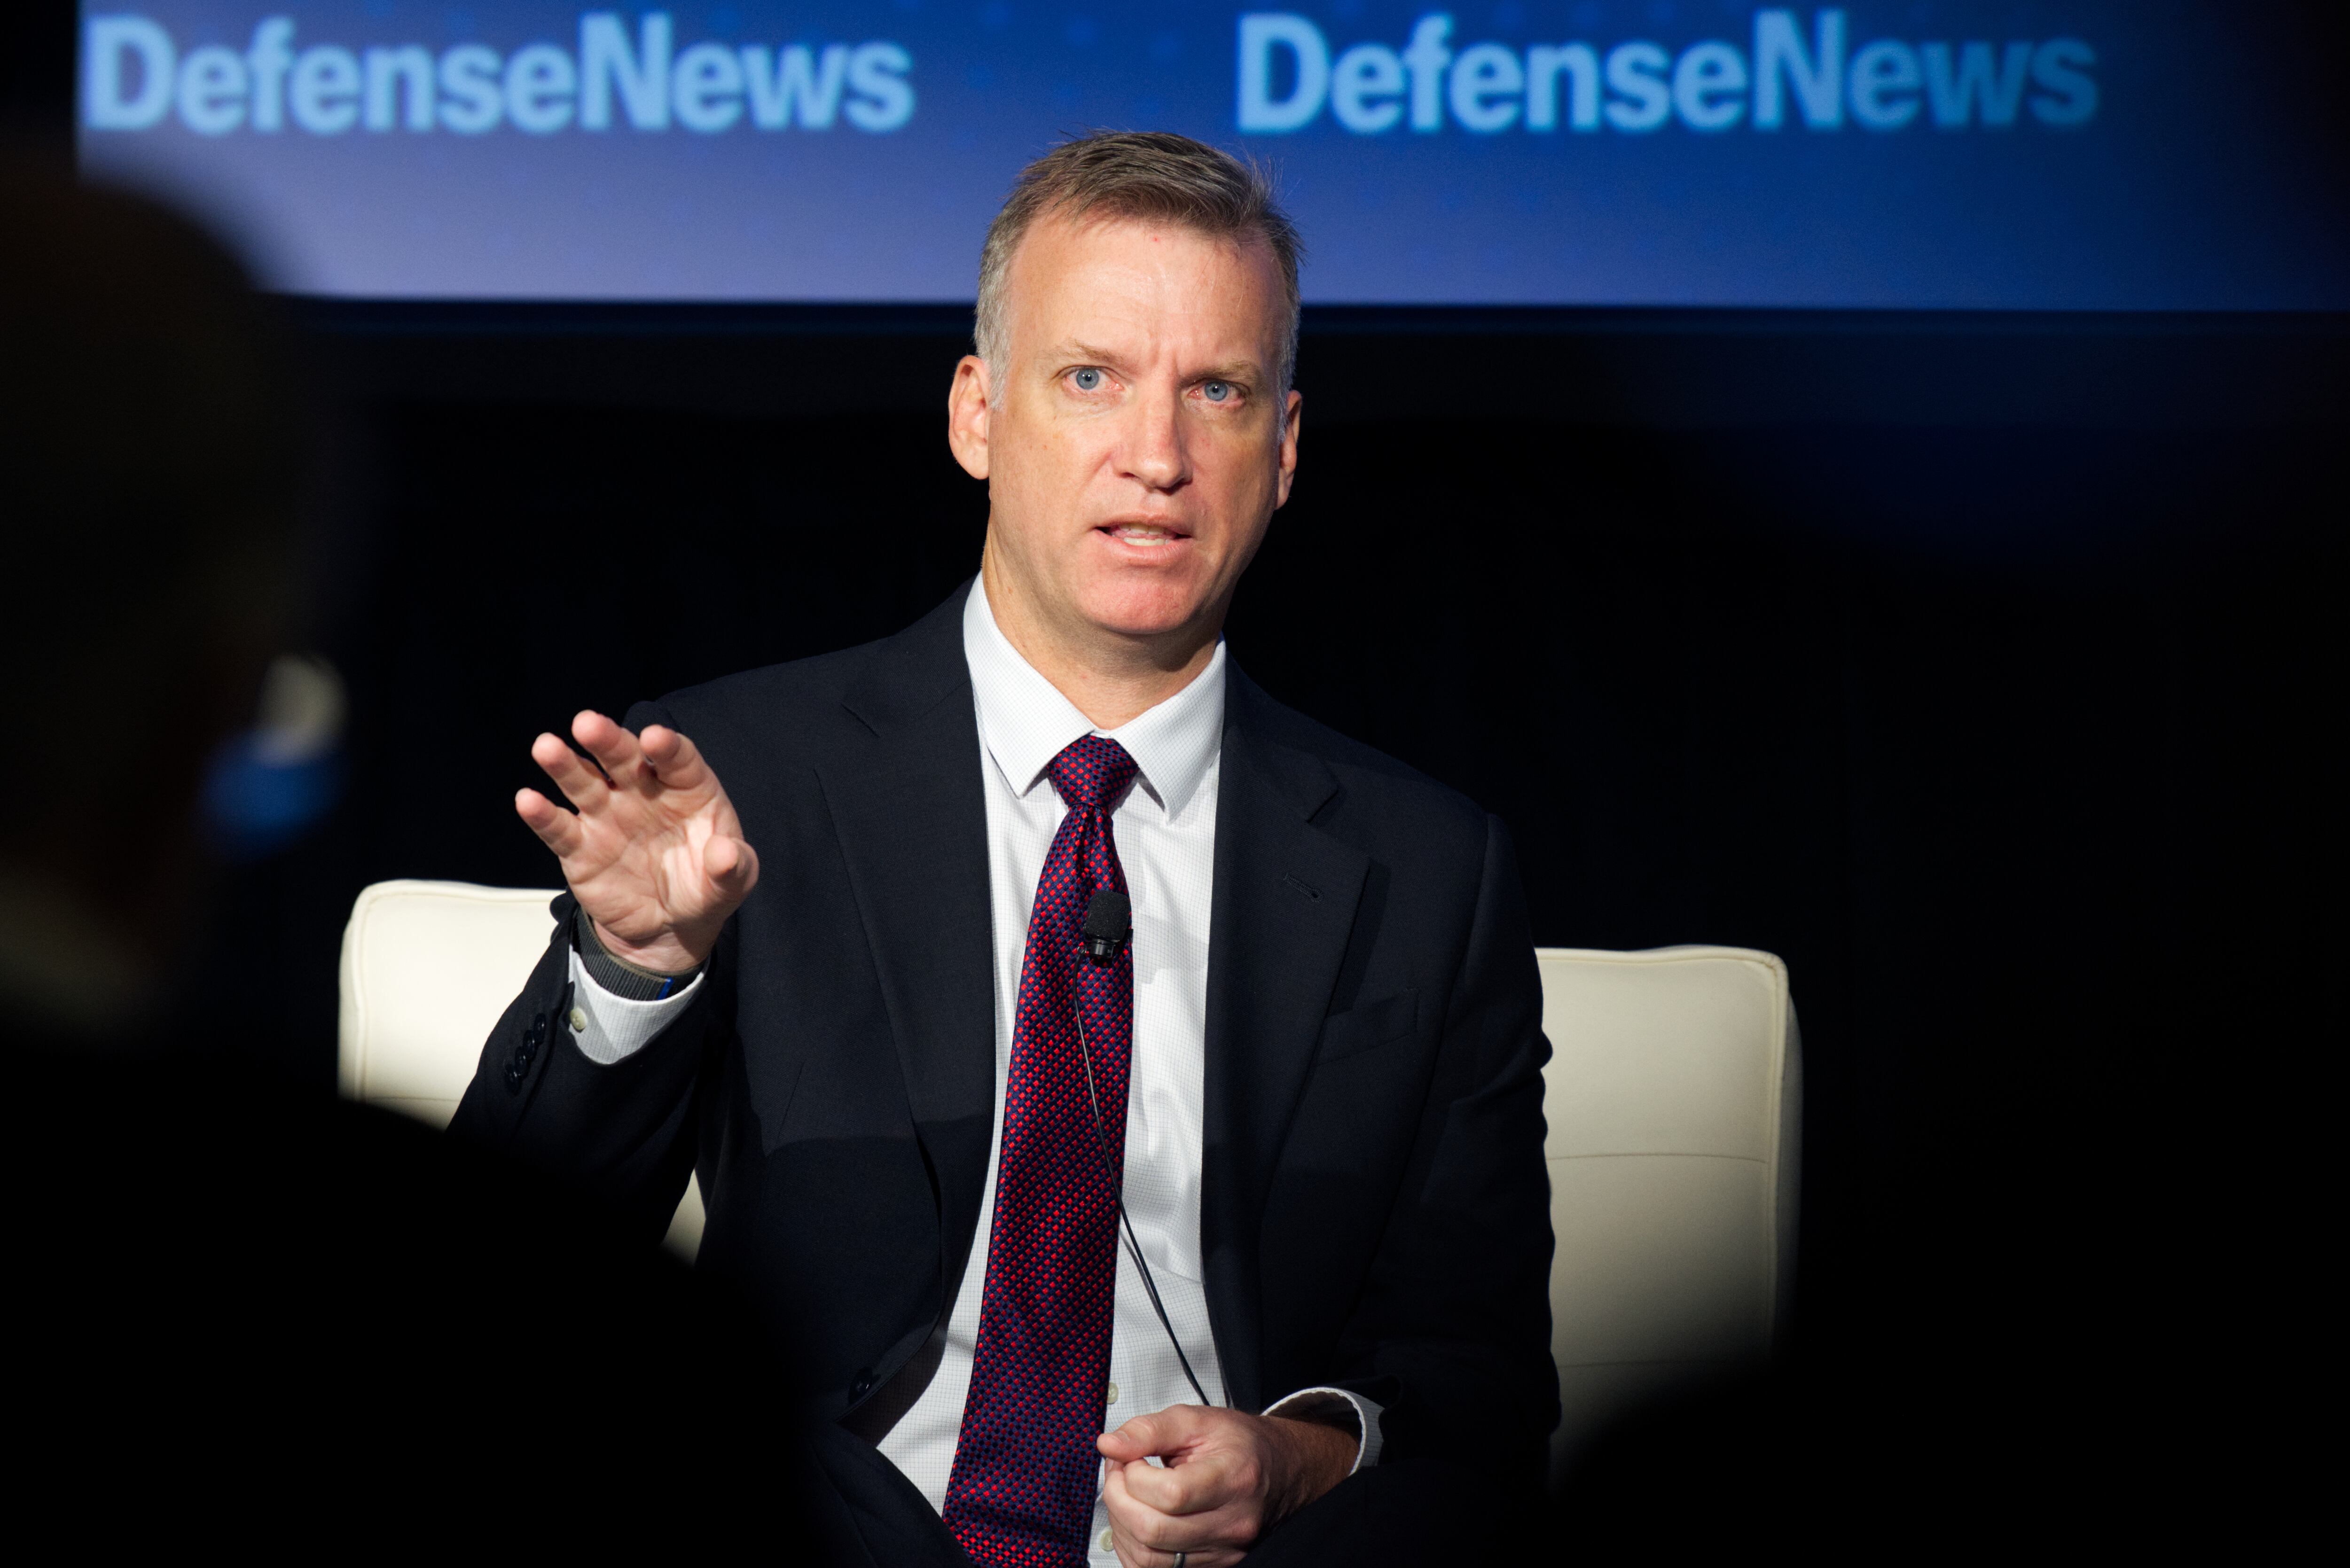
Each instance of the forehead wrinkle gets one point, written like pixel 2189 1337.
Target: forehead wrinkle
pixel 1143 295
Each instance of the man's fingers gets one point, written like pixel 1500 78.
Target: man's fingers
pixel 1148 1538
pixel 676 760
pixel 1204 1484
pixel 613 747
pixel 582 786
pixel 1144 1534
pixel 1139 1438
pixel 731 864
pixel 1154 1489
pixel 557 828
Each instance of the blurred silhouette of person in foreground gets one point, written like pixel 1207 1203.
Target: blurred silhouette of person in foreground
pixel 241 1307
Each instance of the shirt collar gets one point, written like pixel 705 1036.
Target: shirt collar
pixel 1025 721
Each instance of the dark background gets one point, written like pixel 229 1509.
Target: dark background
pixel 1982 667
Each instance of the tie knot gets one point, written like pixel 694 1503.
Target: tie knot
pixel 1091 772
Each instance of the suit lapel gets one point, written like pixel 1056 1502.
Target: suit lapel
pixel 912 822
pixel 1283 908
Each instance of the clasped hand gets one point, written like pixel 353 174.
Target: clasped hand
pixel 1228 1479
pixel 653 851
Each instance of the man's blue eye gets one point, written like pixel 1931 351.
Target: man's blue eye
pixel 1217 391
pixel 1088 380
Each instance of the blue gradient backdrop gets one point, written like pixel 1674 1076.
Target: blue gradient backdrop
pixel 2195 184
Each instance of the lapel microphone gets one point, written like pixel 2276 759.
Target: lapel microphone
pixel 1109 926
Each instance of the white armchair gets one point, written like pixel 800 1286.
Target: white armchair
pixel 1673 1094
pixel 427 969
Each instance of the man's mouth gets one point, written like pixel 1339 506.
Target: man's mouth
pixel 1147 534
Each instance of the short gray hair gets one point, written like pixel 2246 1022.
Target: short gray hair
pixel 1139 174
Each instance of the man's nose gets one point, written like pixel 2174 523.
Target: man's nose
pixel 1156 455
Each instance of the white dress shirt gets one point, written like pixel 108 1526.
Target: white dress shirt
pixel 1165 830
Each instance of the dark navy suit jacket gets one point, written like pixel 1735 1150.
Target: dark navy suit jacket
pixel 1375 1210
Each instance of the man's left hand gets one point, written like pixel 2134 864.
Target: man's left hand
pixel 1228 1479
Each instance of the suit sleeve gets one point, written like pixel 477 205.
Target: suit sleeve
pixel 1451 1334
pixel 622 1130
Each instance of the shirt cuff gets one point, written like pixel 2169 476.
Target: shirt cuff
pixel 1337 1408
pixel 617 975
pixel 609 1029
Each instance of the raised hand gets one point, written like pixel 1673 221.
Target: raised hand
pixel 655 856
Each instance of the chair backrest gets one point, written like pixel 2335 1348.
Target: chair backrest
pixel 428 968
pixel 1673 1096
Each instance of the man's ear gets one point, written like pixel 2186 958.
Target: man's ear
pixel 1288 454
pixel 970 401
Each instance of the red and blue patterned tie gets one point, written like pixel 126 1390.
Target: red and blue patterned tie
pixel 1025 1469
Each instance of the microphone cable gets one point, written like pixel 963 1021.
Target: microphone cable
pixel 1108 929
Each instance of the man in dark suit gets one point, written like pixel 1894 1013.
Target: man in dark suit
pixel 1067 1036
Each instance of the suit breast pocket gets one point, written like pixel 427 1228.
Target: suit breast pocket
pixel 1368 1027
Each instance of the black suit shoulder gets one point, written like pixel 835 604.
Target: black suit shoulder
pixel 800 694
pixel 817 706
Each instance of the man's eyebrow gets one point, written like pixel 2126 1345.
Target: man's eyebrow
pixel 1071 348
pixel 1246 370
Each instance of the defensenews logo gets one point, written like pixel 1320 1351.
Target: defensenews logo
pixel 135 78
pixel 1290 76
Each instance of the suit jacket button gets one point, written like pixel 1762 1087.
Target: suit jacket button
pixel 864 1383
